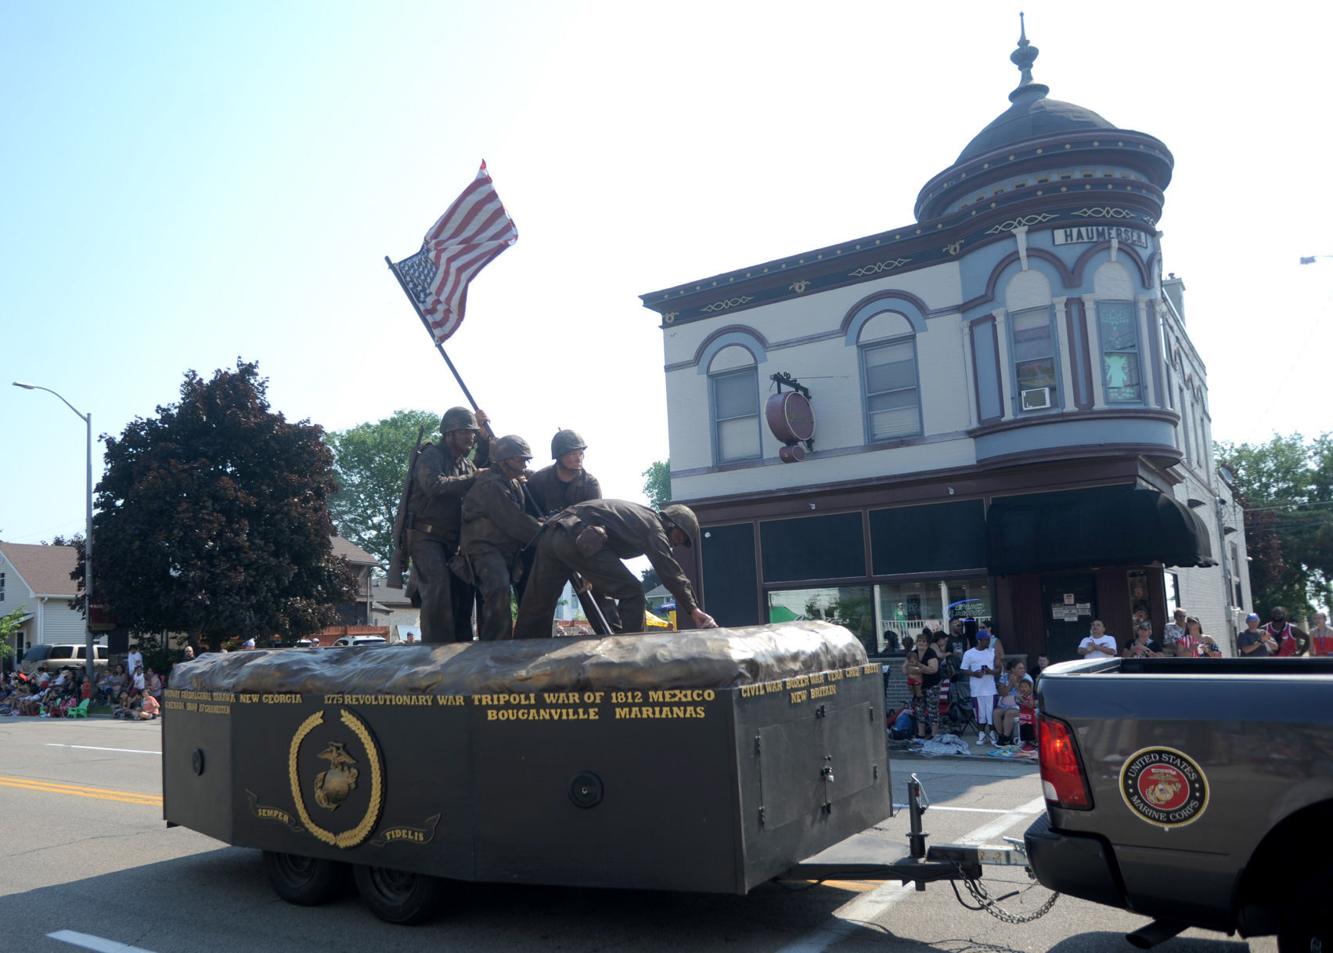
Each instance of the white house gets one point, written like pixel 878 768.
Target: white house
pixel 37 580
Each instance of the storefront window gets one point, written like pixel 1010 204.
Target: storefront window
pixel 847 606
pixel 905 608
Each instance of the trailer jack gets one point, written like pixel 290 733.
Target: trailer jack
pixel 923 865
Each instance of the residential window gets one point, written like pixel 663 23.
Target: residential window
pixel 1119 330
pixel 735 399
pixel 2 587
pixel 1033 336
pixel 893 394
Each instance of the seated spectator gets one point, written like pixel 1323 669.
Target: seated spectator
pixel 139 681
pixel 127 707
pixel 1007 707
pixel 153 683
pixel 1321 636
pixel 150 709
pixel 1290 640
pixel 1143 645
pixel 1098 643
pixel 1027 714
pixel 1208 647
pixel 1187 645
pixel 1043 663
pixel 1255 642
pixel 1174 632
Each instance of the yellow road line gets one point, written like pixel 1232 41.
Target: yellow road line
pixel 859 886
pixel 81 790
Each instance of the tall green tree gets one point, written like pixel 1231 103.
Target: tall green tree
pixel 370 461
pixel 213 518
pixel 1286 488
pixel 657 484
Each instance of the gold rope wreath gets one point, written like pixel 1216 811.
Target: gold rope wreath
pixel 358 834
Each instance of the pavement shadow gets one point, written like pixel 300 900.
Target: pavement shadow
pixel 220 900
pixel 1111 942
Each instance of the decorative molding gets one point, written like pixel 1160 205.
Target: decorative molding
pixel 1021 236
pixel 1022 220
pixel 799 286
pixel 878 267
pixel 1105 212
pixel 727 303
pixel 670 317
pixel 953 248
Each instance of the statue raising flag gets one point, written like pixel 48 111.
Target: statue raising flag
pixel 473 230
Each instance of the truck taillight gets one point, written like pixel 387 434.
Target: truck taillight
pixel 1062 778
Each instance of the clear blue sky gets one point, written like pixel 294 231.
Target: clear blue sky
pixel 191 183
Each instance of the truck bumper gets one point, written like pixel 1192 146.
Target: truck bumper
pixel 1080 865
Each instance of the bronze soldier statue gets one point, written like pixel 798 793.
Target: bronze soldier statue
pixel 564 482
pixel 496 529
pixel 592 538
pixel 441 476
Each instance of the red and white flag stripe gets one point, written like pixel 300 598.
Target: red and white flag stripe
pixel 467 237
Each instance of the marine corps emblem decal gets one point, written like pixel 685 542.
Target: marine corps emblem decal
pixel 351 755
pixel 1164 787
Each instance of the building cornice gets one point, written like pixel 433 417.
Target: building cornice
pixel 914 247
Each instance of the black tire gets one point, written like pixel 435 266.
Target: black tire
pixel 304 881
pixel 1307 925
pixel 397 896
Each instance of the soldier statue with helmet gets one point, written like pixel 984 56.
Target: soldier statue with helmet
pixel 442 474
pixel 592 538
pixel 564 482
pixel 496 530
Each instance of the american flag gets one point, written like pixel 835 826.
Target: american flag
pixel 473 230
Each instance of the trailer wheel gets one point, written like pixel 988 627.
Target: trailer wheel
pixel 397 896
pixel 304 880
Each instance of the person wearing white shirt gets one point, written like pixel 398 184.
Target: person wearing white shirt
pixel 133 661
pixel 1097 644
pixel 979 663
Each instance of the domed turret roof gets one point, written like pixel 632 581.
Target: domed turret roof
pixel 1034 123
pixel 1032 116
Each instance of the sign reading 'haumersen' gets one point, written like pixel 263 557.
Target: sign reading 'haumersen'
pixel 1086 234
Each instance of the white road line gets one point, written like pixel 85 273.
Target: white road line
pixel 90 942
pixel 965 810
pixel 94 748
pixel 868 906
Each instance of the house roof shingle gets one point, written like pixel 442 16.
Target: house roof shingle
pixel 353 553
pixel 45 569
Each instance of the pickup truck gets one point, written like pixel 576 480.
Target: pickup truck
pixel 1197 792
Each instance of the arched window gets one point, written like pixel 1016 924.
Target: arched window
pixel 889 380
pixel 733 399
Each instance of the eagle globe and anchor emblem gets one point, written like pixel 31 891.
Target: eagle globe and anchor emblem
pixel 344 776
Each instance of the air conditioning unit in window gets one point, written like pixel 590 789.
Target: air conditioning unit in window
pixel 1037 398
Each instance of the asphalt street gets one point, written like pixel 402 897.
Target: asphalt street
pixel 86 862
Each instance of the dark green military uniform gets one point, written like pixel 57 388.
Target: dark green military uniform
pixel 631 530
pixel 439 483
pixel 553 494
pixel 495 530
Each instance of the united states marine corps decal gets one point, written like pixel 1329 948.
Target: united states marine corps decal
pixel 1164 787
pixel 354 776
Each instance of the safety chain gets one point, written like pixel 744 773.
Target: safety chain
pixel 978 891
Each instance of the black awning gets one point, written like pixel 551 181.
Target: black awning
pixel 1103 526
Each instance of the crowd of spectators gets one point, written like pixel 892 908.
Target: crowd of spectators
pixel 968 681
pixel 133 693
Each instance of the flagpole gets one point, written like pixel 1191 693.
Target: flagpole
pixel 438 346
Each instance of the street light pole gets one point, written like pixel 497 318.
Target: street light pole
pixel 89 651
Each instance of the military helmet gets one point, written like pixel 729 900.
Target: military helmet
pixel 565 441
pixel 683 517
pixel 458 418
pixel 510 446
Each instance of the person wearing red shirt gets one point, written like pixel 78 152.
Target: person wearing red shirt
pixel 1290 640
pixel 1321 636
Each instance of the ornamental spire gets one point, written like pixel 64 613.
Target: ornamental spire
pixel 1025 55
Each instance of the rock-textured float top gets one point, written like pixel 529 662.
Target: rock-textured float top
pixel 698 658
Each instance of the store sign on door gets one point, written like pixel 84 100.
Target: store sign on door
pixel 1063 613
